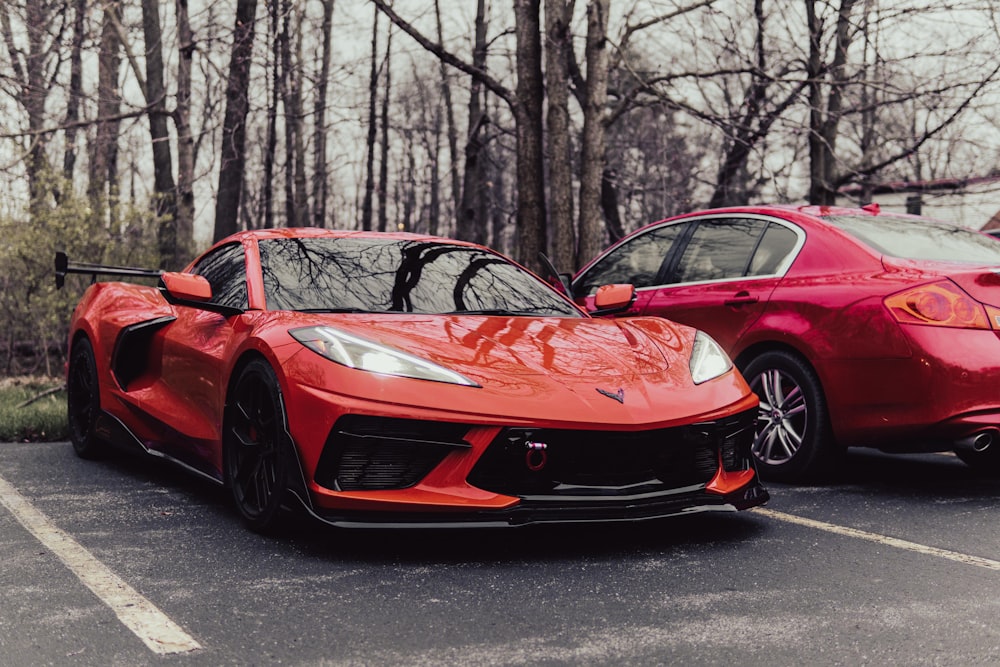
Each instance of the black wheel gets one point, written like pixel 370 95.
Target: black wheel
pixel 83 401
pixel 255 447
pixel 794 441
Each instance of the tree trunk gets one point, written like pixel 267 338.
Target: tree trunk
pixel 296 208
pixel 75 89
pixel 452 130
pixel 319 189
pixel 165 191
pixel 558 43
pixel 271 150
pixel 383 175
pixel 185 140
pixel 824 119
pixel 227 205
pixel 609 205
pixel 102 186
pixel 471 219
pixel 366 206
pixel 592 152
pixel 529 94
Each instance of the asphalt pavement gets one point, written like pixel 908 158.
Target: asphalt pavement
pixel 132 562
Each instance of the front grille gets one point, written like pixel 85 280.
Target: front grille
pixel 555 462
pixel 377 453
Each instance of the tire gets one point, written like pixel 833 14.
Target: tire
pixel 794 441
pixel 256 448
pixel 83 401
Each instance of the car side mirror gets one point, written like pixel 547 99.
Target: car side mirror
pixel 611 299
pixel 187 287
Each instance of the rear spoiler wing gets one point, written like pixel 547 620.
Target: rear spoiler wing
pixel 64 267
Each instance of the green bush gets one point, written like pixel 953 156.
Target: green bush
pixel 36 314
pixel 43 420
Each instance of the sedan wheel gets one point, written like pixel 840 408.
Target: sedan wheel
pixel 83 401
pixel 256 447
pixel 793 441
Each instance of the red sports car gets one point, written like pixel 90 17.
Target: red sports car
pixel 855 327
pixel 386 379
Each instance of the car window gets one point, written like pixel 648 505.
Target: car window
pixel 225 270
pixel 919 238
pixel 400 275
pixel 637 261
pixel 719 249
pixel 778 241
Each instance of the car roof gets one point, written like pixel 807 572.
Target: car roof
pixel 318 232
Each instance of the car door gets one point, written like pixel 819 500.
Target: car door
pixel 640 260
pixel 721 275
pixel 196 347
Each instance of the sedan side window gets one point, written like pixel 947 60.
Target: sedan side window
pixel 637 261
pixel 719 249
pixel 225 270
pixel 778 241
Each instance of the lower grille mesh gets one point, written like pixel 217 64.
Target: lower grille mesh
pixel 377 453
pixel 555 462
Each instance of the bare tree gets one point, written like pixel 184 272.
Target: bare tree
pixel 103 177
pixel 34 68
pixel 383 175
pixel 526 103
pixel 75 92
pixel 296 198
pixel 165 190
pixel 231 175
pixel 558 53
pixel 531 224
pixel 366 206
pixel 592 151
pixel 471 220
pixel 186 155
pixel 449 117
pixel 319 188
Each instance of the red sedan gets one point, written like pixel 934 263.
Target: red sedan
pixel 384 379
pixel 855 327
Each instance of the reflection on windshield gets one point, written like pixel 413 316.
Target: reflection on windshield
pixel 919 238
pixel 366 274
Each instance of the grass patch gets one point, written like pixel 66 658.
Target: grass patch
pixel 44 420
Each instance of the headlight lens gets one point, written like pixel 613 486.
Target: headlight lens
pixel 707 359
pixel 365 355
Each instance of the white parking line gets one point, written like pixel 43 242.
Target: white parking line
pixel 881 539
pixel 138 614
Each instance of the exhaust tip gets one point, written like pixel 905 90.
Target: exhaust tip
pixel 978 442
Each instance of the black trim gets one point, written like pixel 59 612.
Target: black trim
pixel 530 512
pixel 63 267
pixel 110 429
pixel 130 358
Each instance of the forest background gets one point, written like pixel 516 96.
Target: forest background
pixel 138 131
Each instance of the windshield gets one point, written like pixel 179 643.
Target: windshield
pixel 919 238
pixel 367 274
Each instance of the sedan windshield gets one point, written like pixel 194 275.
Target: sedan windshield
pixel 367 274
pixel 919 238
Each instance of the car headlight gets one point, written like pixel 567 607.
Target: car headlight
pixel 707 359
pixel 366 355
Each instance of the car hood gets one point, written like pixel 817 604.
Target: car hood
pixel 632 372
pixel 517 346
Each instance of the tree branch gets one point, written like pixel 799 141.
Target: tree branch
pixel 495 86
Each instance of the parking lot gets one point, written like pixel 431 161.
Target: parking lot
pixel 127 562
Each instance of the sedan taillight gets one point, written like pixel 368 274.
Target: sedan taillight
pixel 941 303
